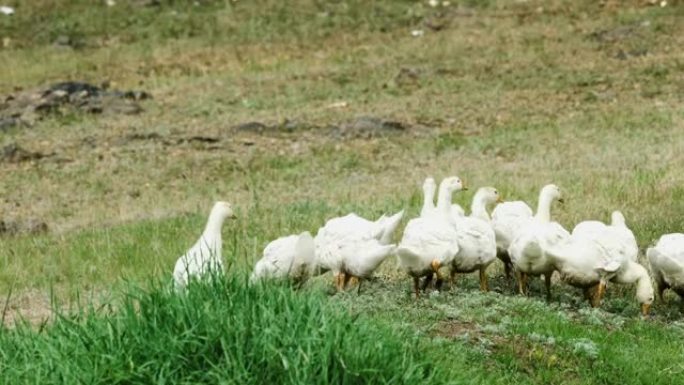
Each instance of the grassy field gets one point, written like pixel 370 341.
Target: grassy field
pixel 512 94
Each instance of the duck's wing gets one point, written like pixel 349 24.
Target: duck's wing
pixel 555 233
pixel 512 209
pixel 277 259
pixel 427 239
pixel 667 261
pixel 588 229
pixel 476 238
pixel 508 218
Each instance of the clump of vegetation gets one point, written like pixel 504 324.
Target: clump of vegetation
pixel 221 332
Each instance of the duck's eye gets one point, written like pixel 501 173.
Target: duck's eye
pixel 496 192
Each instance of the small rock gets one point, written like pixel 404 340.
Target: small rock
pixel 137 95
pixel 203 139
pixel 369 126
pixel 75 87
pixel 63 41
pixel 257 127
pixel 8 122
pixel 614 34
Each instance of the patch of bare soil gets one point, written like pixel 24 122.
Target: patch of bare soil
pixel 39 307
pixel 456 329
pixel 364 127
pixel 29 226
pixel 32 306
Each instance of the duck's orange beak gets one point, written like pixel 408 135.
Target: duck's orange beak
pixel 435 265
pixel 599 294
pixel 645 308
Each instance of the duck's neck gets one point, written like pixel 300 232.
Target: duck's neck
pixel 634 273
pixel 428 199
pixel 544 208
pixel 637 273
pixel 617 221
pixel 478 208
pixel 444 200
pixel 214 224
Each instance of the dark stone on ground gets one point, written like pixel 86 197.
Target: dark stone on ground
pixel 624 55
pixel 612 35
pixel 256 127
pixel 202 139
pixel 8 122
pixel 26 107
pixel 371 127
pixel 361 127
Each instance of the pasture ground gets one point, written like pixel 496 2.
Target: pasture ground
pixel 513 94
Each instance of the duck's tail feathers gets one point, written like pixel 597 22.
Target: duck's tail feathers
pixel 376 255
pixel 389 225
pixel 407 256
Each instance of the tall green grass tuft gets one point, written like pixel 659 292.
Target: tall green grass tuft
pixel 220 332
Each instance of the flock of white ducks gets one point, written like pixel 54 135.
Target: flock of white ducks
pixel 443 236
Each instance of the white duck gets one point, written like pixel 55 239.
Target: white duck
pixel 429 188
pixel 667 263
pixel 507 219
pixel 351 230
pixel 205 255
pixel 362 259
pixel 430 242
pixel 597 253
pixel 632 273
pixel 583 263
pixel 286 257
pixel 616 235
pixel 527 249
pixel 352 226
pixel 476 239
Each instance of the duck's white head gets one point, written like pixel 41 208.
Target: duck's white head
pixel 644 296
pixel 429 185
pixel 222 210
pixel 552 192
pixel 617 219
pixel 489 195
pixel 452 183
